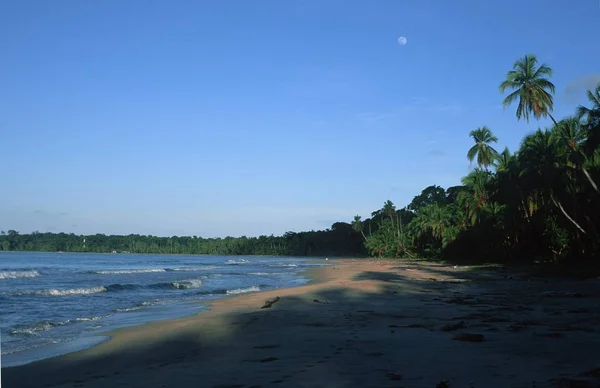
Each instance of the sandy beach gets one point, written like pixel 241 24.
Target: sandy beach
pixel 360 323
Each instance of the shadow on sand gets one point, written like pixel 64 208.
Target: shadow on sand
pixel 392 328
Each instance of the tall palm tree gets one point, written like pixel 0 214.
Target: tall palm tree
pixel 531 88
pixel 485 153
pixel 357 225
pixel 591 120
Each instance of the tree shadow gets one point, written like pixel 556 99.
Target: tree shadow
pixel 387 330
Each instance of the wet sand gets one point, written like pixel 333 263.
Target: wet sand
pixel 360 323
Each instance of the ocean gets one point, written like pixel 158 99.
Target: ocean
pixel 54 303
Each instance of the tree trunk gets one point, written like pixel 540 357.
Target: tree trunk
pixel 589 178
pixel 525 211
pixel 564 212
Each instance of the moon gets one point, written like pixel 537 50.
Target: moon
pixel 402 40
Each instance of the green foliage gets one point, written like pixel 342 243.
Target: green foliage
pixel 530 87
pixel 430 195
pixel 482 150
pixel 340 240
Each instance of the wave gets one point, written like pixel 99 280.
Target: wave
pixel 19 274
pixel 150 270
pixel 46 325
pixel 178 285
pixel 233 291
pixel 139 306
pixel 122 287
pixel 236 262
pixel 283 265
pixel 127 271
pixel 54 292
pixel 259 273
pixel 192 269
pixel 181 285
pixel 243 290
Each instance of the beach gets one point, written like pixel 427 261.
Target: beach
pixel 358 323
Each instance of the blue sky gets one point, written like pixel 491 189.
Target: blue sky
pixel 259 117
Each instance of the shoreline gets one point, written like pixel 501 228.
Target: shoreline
pixel 93 339
pixel 355 323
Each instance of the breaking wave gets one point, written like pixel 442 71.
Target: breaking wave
pixel 72 291
pixel 150 270
pixel 236 262
pixel 182 285
pixel 47 325
pixel 242 290
pixel 179 285
pixel 127 271
pixel 19 274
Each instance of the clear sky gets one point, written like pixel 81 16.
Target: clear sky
pixel 217 118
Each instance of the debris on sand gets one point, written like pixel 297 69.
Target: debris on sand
pixel 468 337
pixel 270 303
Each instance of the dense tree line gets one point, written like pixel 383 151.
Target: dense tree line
pixel 339 240
pixel 539 203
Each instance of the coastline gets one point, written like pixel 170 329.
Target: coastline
pixel 356 323
pixel 169 312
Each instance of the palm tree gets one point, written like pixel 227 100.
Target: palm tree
pixel 574 136
pixel 389 209
pixel 594 112
pixel 474 196
pixel 482 149
pixel 545 170
pixel 531 87
pixel 591 117
pixel 436 219
pixel 357 225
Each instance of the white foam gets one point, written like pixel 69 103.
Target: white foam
pixel 40 326
pixel 241 261
pixel 243 290
pixel 187 284
pixel 191 269
pixel 18 274
pixel 72 291
pixel 87 319
pixel 286 265
pixel 129 271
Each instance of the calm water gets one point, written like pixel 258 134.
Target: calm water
pixel 51 303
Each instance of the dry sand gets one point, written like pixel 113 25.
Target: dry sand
pixel 359 324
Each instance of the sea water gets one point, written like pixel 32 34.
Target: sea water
pixel 53 303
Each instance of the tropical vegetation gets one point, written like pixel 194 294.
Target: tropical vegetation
pixel 538 203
